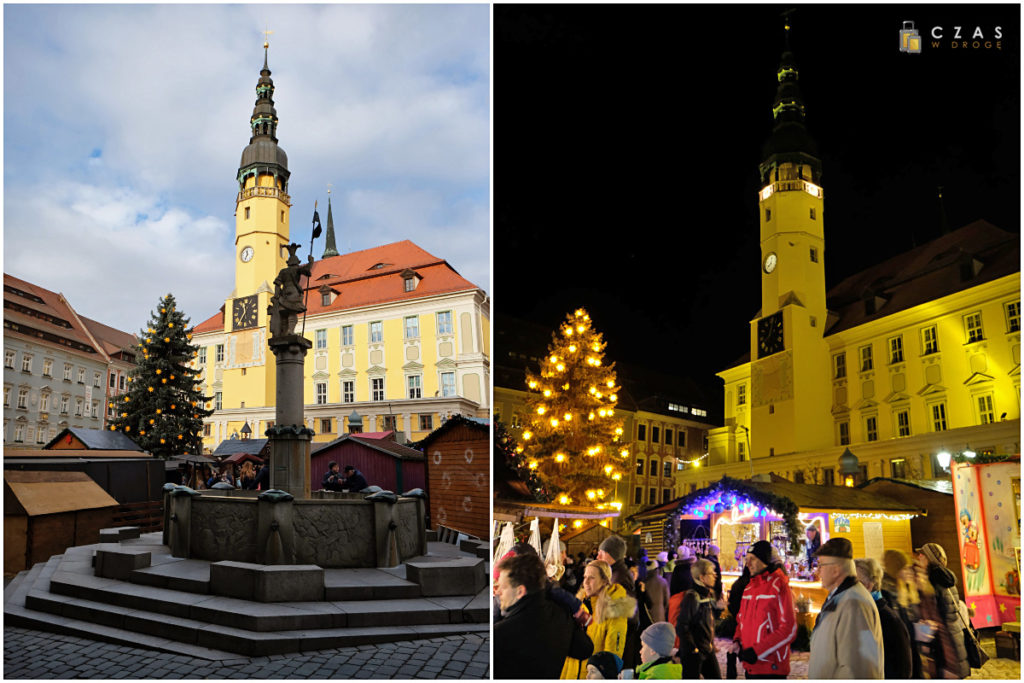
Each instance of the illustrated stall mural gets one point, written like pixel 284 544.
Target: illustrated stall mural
pixel 987 497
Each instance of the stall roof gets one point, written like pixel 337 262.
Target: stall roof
pixel 72 454
pixel 526 509
pixel 382 445
pixel 45 493
pixel 936 485
pixel 805 496
pixel 93 439
pixel 232 446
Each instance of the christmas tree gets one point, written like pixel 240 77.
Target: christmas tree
pixel 163 410
pixel 571 441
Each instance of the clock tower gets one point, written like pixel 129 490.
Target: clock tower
pixel 790 405
pixel 261 212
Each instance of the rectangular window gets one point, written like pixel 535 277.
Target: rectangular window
pixel 641 432
pixel 325 425
pixel 653 471
pixel 666 495
pixel 412 327
pixel 321 393
pixel 9 359
pixel 218 401
pixel 376 332
pixel 839 365
pixel 741 395
pixel 638 496
pixel 812 218
pixel 986 413
pixel 844 433
pixel 767 215
pixel 814 252
pixel 653 497
pixel 207 429
pixel 81 375
pixel 972 327
pixel 219 358
pixel 938 417
pixel 377 389
pixel 7 396
pixel 202 355
pixel 410 284
pixel 390 423
pixel 120 382
pixel 26 364
pixel 67 372
pixel 682 439
pixel 348 392
pixel 44 402
pixel 321 339
pixel 448 384
pixel 415 386
pixel 426 423
pixel 19 433
pixel 65 404
pixel 41 434
pixel 48 368
pixel 741 451
pixel 666 469
pixel 113 380
pixel 1012 316
pixel 866 360
pixel 668 437
pixel 96 377
pixel 640 466
pixel 829 476
pixel 78 407
pixel 871 428
pixel 902 422
pixel 929 340
pixel 23 397
pixel 655 434
pixel 898 467
pixel 325 298
pixel 347 336
pixel 444 322
pixel 896 349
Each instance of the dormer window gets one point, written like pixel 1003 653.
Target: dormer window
pixel 327 295
pixel 379 266
pixel 410 279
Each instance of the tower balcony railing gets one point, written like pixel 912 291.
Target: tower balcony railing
pixel 261 191
pixel 795 185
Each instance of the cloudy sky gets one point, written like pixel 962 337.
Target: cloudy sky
pixel 124 126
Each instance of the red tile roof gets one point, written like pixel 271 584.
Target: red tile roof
pixel 372 276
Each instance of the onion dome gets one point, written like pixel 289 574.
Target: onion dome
pixel 263 155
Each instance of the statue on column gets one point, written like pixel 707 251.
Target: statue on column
pixel 288 300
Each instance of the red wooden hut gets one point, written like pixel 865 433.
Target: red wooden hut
pixel 384 463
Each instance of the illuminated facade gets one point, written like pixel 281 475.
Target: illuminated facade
pixel 911 357
pixel 400 339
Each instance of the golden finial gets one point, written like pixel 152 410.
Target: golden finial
pixel 329 186
pixel 266 38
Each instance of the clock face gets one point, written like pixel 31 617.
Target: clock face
pixel 770 261
pixel 247 254
pixel 243 313
pixel 770 339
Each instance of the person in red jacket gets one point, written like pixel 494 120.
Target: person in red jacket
pixel 766 624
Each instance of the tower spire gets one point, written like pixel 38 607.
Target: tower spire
pixel 789 141
pixel 330 248
pixel 263 155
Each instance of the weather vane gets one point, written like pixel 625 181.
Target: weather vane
pixel 266 38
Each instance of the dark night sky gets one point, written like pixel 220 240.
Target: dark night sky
pixel 627 140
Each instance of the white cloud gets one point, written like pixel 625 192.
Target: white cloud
pixel 124 125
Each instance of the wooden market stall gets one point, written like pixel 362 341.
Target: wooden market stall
pixel 795 518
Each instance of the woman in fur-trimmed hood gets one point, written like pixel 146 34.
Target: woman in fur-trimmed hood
pixel 610 608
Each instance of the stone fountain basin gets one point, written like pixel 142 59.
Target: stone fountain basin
pixel 330 530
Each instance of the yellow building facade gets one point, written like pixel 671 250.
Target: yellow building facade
pixel 911 357
pixel 399 339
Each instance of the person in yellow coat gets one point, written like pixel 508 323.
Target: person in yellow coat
pixel 610 609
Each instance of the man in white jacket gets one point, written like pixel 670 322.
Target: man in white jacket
pixel 847 637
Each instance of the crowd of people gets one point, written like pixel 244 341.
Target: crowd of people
pixel 353 479
pixel 613 616
pixel 204 476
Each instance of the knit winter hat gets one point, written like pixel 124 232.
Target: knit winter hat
pixel 614 546
pixel 608 663
pixel 685 552
pixel 762 550
pixel 660 637
pixel 935 553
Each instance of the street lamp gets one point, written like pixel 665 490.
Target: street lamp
pixel 849 467
pixel 943 457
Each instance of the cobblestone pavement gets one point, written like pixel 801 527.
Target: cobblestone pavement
pixel 36 655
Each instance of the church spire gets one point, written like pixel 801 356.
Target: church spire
pixel 330 248
pixel 789 141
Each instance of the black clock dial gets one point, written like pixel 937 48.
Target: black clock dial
pixel 770 339
pixel 243 313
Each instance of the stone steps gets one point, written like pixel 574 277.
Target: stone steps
pixel 166 606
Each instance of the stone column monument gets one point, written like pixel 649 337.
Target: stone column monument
pixel 289 437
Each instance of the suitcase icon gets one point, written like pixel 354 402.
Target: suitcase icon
pixel 910 39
